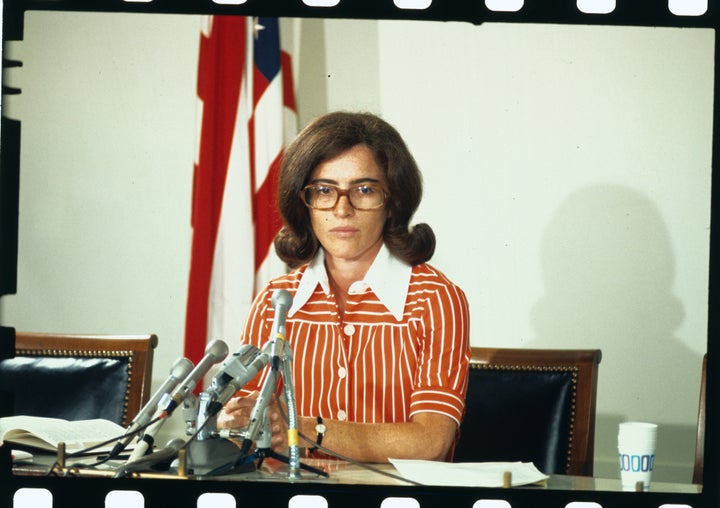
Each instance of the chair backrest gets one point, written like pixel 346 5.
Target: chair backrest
pixel 531 405
pixel 78 377
pixel 700 438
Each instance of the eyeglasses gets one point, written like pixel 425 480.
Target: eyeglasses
pixel 322 196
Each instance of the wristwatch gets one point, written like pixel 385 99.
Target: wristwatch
pixel 320 428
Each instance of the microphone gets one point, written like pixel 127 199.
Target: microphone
pixel 178 371
pixel 169 452
pixel 281 302
pixel 234 374
pixel 215 352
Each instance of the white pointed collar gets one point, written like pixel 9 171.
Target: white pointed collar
pixel 388 277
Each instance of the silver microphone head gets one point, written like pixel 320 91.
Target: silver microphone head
pixel 281 297
pixel 218 349
pixel 181 368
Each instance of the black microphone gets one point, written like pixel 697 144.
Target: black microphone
pixel 215 352
pixel 180 369
pixel 169 452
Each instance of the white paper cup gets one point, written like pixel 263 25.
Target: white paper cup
pixel 636 453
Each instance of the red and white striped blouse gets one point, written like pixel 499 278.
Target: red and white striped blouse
pixel 401 347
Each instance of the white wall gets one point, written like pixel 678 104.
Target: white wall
pixel 567 175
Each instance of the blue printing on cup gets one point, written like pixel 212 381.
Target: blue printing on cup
pixel 636 463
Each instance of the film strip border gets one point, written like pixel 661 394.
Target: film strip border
pixel 661 13
pixel 676 13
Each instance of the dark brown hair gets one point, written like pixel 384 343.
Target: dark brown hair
pixel 327 137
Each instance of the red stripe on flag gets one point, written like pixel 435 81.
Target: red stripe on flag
pixel 260 84
pixel 221 54
pixel 266 215
pixel 288 83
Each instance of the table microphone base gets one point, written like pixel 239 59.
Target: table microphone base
pixel 208 454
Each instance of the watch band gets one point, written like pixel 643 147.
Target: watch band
pixel 320 428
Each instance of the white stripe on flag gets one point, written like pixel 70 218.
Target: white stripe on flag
pixel 232 279
pixel 268 128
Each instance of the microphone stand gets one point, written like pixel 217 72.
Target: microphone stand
pixel 260 434
pixel 234 376
pixel 258 430
pixel 263 450
pixel 208 446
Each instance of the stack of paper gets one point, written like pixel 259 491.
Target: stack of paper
pixel 468 474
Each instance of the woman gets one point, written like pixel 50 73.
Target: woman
pixel 379 338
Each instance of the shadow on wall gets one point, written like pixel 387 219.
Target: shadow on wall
pixel 608 271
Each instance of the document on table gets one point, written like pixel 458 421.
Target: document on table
pixel 468 474
pixel 43 433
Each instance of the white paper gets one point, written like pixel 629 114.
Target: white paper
pixel 46 433
pixel 468 474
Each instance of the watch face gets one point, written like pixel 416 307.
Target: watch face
pixel 320 428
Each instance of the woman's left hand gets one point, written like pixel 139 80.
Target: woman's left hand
pixel 278 427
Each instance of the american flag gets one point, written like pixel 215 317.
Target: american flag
pixel 248 113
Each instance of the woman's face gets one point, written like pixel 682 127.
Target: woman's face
pixel 345 233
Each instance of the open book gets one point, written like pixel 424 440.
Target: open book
pixel 40 433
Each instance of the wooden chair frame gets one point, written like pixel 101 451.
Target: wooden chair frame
pixel 700 437
pixel 585 365
pixel 139 350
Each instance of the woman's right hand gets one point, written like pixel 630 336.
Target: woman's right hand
pixel 236 412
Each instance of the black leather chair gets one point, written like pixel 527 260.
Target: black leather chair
pixel 531 405
pixel 79 377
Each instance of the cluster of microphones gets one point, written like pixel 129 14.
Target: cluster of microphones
pixel 178 390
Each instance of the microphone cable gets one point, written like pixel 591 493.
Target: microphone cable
pixel 105 457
